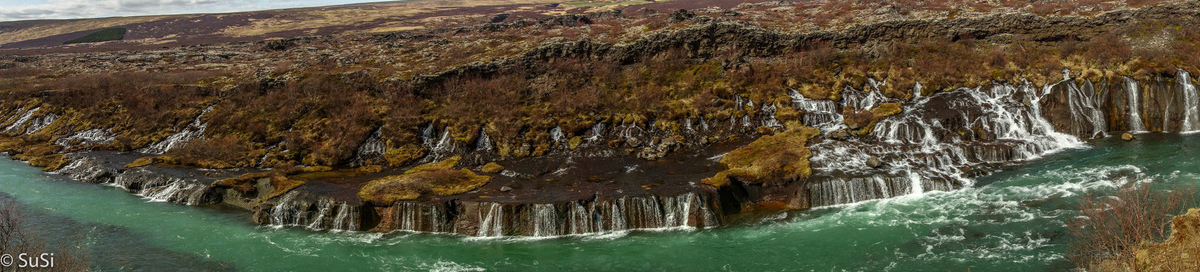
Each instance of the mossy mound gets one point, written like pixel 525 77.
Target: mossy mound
pixel 178 161
pixel 860 119
pixel 439 178
pixel 771 159
pixel 492 168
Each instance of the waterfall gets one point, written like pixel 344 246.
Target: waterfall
pixel 484 143
pixel 491 224
pixel 88 137
pixel 597 132
pixel 373 147
pixel 347 217
pixel 545 220
pixel 556 135
pixel 194 130
pixel 21 120
pixel 1191 102
pixel 41 122
pixel 936 140
pixel 324 205
pixel 302 209
pixel 1133 94
pixel 1084 108
pixel 822 114
pixel 917 90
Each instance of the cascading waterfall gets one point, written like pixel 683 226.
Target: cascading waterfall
pixel 822 114
pixel 298 209
pixel 1133 94
pixel 21 120
pixel 147 184
pixel 1191 102
pixel 194 130
pixel 1085 108
pixel 41 122
pixel 88 137
pixel 928 145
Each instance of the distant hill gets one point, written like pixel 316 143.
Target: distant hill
pixel 144 32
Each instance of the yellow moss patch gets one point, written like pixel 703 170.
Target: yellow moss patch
pixel 492 168
pixel 771 159
pixel 886 109
pixel 50 162
pixel 178 161
pixel 439 178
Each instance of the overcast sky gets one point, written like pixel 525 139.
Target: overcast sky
pixel 12 10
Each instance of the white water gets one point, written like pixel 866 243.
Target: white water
pixel 21 120
pixel 1133 94
pixel 1191 102
pixel 194 130
pixel 922 153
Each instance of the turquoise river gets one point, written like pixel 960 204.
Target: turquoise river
pixel 1011 220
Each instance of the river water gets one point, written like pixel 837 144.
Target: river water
pixel 1011 220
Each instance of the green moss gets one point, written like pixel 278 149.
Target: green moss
pixel 111 34
pixel 778 158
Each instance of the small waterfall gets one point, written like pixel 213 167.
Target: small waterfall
pixel 484 143
pixel 21 120
pixel 193 131
pixel 325 205
pixel 301 209
pixel 1191 102
pixel 444 146
pixel 491 224
pixel 373 147
pixel 1135 112
pixel 917 90
pixel 823 114
pixel 597 132
pixel 88 137
pixel 428 136
pixel 545 220
pixel 41 122
pixel 556 135
pixel 347 217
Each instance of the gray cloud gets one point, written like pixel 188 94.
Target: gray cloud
pixel 72 9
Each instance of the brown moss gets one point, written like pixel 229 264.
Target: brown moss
pixel 772 159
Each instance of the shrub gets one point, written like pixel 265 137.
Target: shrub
pixel 1109 229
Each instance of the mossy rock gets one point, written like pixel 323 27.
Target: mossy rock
pixel 51 162
pixel 772 159
pixel 574 142
pixel 439 178
pixel 492 168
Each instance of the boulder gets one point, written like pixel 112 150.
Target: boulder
pixel 1126 136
